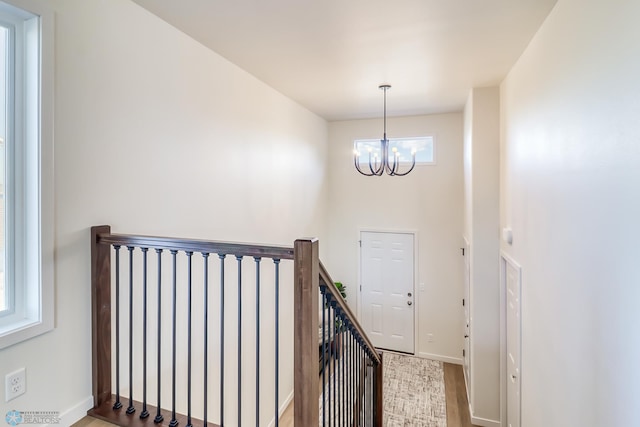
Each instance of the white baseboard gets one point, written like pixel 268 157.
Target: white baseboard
pixel 483 422
pixel 75 413
pixel 446 359
pixel 283 407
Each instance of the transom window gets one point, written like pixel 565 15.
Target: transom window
pixel 423 147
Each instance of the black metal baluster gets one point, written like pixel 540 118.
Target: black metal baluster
pixel 341 399
pixel 347 338
pixel 344 377
pixel 131 409
pixel 360 385
pixel 364 400
pixel 239 263
pixel 222 257
pixel 189 297
pixel 324 351
pixel 335 355
pixel 373 390
pixel 159 418
pixel 205 257
pixel 364 370
pixel 174 421
pixel 145 413
pixel 351 378
pixel 356 404
pixel 257 261
pixel 368 382
pixel 339 363
pixel 352 381
pixel 354 357
pixel 117 404
pixel 330 361
pixel 276 263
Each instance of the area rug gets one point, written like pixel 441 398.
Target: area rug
pixel 413 392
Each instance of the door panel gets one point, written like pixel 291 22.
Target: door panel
pixel 387 274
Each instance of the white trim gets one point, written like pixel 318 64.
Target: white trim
pixel 75 413
pixel 283 408
pixel 440 358
pixel 504 259
pixel 467 330
pixel 483 422
pixel 39 314
pixel 416 271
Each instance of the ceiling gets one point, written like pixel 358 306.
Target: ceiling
pixel 331 55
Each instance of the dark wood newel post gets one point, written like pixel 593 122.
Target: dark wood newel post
pixel 378 393
pixel 306 357
pixel 100 316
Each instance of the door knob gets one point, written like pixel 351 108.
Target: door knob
pixel 409 303
pixel 466 336
pixel 409 294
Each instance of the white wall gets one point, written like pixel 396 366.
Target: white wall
pixel 482 191
pixel 570 192
pixel 428 200
pixel 156 134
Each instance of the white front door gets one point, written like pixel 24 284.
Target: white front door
pixel 513 344
pixel 387 292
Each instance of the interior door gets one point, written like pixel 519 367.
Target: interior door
pixel 466 355
pixel 513 344
pixel 387 289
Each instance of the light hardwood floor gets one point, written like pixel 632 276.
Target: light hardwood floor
pixel 456 395
pixel 455 392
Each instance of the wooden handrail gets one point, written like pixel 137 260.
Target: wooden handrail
pixel 328 282
pixel 196 245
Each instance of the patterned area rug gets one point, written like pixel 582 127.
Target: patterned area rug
pixel 413 392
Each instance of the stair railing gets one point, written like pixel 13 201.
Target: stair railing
pixel 146 298
pixel 351 375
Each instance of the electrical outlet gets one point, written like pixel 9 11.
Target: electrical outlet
pixel 429 337
pixel 15 384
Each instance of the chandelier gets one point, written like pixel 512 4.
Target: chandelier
pixel 386 162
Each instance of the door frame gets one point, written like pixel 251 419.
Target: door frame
pixel 504 260
pixel 416 304
pixel 467 318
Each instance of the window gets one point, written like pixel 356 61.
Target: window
pixel 26 173
pixel 423 146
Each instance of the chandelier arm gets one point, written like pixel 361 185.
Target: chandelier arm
pixel 393 170
pixel 410 169
pixel 379 168
pixel 356 163
pixel 373 172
